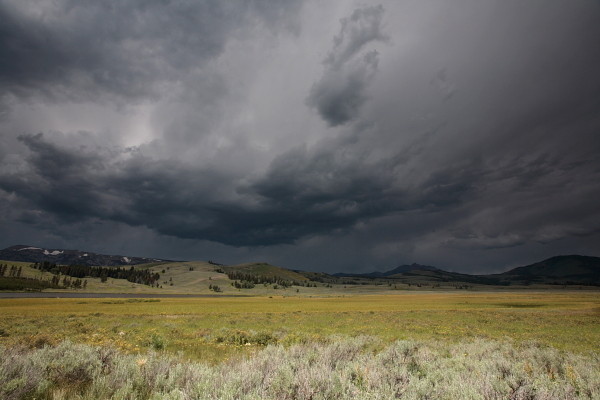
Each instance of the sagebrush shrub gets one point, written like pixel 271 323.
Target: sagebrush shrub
pixel 341 368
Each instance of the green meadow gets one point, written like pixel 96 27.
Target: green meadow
pixel 216 329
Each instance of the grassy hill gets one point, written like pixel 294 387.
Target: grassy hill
pixel 190 277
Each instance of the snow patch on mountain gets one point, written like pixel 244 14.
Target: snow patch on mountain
pixel 53 253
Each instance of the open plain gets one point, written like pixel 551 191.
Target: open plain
pixel 537 345
pixel 213 329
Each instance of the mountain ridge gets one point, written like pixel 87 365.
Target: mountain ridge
pixel 565 268
pixel 26 253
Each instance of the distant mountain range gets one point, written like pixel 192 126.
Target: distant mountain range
pixel 565 270
pixel 398 270
pixel 69 257
pixel 559 270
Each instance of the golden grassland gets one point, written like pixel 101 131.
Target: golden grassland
pixel 215 329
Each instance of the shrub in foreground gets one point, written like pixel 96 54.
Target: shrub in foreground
pixel 342 369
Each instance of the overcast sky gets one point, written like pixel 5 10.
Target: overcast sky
pixel 320 135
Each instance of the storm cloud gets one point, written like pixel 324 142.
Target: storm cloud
pixel 341 91
pixel 79 50
pixel 337 136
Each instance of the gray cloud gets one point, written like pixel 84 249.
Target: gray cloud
pixel 470 142
pixel 79 50
pixel 340 93
pixel 303 194
pixel 358 30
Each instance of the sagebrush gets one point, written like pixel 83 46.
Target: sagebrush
pixel 341 368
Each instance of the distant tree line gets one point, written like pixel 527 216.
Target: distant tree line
pixel 11 279
pixel 141 276
pixel 247 279
pixel 214 263
pixel 12 272
pixel 321 279
pixel 242 284
pixel 67 282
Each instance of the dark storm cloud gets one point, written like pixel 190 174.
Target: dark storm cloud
pixel 78 50
pixel 79 183
pixel 340 93
pixel 472 136
pixel 304 194
pixel 60 181
pixel 76 183
pixel 489 202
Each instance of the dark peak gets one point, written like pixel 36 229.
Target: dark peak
pixel 569 268
pixel 398 270
pixel 411 267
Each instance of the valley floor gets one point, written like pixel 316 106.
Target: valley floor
pixel 529 345
pixel 213 329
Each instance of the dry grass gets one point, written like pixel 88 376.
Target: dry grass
pixel 213 329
